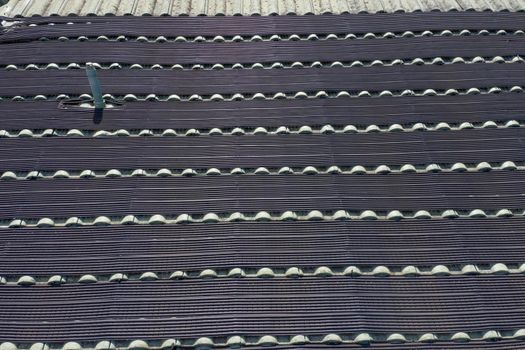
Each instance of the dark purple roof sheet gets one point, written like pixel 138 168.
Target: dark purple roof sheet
pixel 193 308
pixel 138 248
pixel 228 82
pixel 464 274
pixel 79 153
pixel 252 52
pixel 200 195
pixel 272 113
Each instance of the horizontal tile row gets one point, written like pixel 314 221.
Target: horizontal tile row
pixel 264 272
pixel 265 52
pixel 217 308
pixel 273 152
pixel 276 65
pixel 299 341
pixel 509 344
pixel 314 215
pixel 61 35
pixel 226 194
pixel 309 170
pixel 296 341
pixel 268 83
pixel 261 130
pixel 74 251
pixel 86 98
pixel 384 112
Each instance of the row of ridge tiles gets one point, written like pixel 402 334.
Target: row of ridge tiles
pixel 425 342
pixel 458 340
pixel 252 7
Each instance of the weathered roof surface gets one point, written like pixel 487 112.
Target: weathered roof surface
pixel 312 243
pixel 329 308
pixel 244 7
pixel 282 182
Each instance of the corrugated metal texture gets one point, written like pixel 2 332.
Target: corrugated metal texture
pixel 303 193
pixel 245 7
pixel 207 83
pixel 218 307
pixel 469 146
pixel 274 113
pixel 139 248
pixel 459 247
pixel 248 53
pixel 266 28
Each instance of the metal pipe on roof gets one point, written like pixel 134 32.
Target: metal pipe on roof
pixel 94 83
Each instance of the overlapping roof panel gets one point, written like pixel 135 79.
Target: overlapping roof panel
pixel 75 250
pixel 361 113
pixel 286 182
pixel 263 306
pixel 267 82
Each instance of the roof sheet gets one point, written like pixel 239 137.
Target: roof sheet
pixel 287 181
pixel 280 244
pixel 244 7
pixel 212 308
pixel 228 152
pixel 267 82
pixel 201 195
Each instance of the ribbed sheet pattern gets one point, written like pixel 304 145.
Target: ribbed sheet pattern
pixel 246 114
pixel 186 83
pixel 193 308
pixel 246 8
pixel 441 147
pixel 260 52
pixel 484 132
pixel 136 249
pixel 149 196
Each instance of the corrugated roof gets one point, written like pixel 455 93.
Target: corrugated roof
pixel 298 182
pixel 244 7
